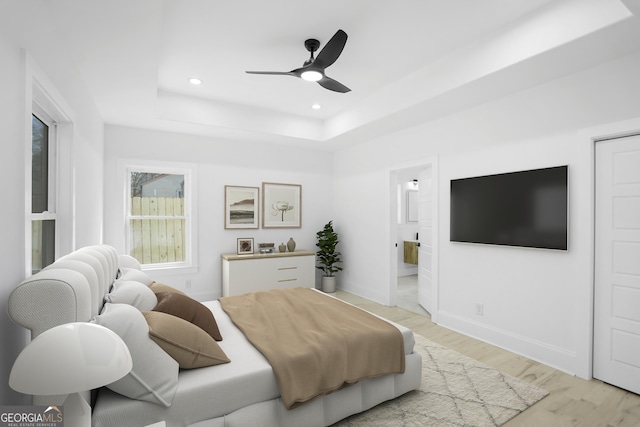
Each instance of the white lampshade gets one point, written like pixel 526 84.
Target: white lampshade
pixel 70 358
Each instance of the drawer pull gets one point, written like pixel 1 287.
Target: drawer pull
pixel 287 280
pixel 287 268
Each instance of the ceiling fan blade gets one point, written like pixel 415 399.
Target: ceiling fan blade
pixel 332 50
pixel 272 73
pixel 329 83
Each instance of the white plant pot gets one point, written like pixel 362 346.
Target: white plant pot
pixel 328 284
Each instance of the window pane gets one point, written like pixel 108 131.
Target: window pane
pixel 157 229
pixel 39 165
pixel 148 188
pixel 43 244
pixel 155 241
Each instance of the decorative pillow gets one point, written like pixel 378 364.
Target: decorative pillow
pixel 132 293
pixel 128 273
pixel 189 345
pixel 190 310
pixel 159 287
pixel 154 376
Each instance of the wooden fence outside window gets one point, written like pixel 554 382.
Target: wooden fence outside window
pixel 157 230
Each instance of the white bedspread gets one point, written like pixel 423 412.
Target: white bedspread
pixel 206 393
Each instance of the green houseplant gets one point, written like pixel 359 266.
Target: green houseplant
pixel 328 256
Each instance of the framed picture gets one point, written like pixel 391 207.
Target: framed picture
pixel 245 246
pixel 241 207
pixel 281 205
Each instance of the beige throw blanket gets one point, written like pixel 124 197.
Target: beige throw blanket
pixel 316 344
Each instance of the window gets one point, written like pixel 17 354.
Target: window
pixel 49 227
pixel 43 207
pixel 158 221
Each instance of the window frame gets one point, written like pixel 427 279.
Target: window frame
pixel 52 198
pixel 45 115
pixel 189 228
pixel 42 96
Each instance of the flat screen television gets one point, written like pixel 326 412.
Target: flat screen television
pixel 525 208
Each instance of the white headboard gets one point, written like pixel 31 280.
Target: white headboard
pixel 71 289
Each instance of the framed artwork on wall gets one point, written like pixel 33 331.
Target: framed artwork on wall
pixel 281 205
pixel 241 207
pixel 245 246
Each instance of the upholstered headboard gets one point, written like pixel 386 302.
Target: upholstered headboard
pixel 75 288
pixel 71 289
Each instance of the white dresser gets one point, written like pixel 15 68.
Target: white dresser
pixel 261 272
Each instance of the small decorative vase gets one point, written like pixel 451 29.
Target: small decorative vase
pixel 282 247
pixel 291 244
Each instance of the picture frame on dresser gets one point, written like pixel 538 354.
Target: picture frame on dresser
pixel 241 207
pixel 245 246
pixel 281 205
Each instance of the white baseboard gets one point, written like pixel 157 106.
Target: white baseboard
pixel 559 358
pixel 364 293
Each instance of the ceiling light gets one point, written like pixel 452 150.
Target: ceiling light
pixel 311 75
pixel 195 81
pixel 316 106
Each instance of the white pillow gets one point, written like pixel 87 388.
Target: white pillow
pixel 154 376
pixel 132 293
pixel 128 273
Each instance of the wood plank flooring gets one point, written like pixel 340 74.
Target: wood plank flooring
pixel 572 401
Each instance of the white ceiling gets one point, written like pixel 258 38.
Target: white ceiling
pixel 406 61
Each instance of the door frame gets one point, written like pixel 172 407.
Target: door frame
pixel 607 376
pixel 585 312
pixel 430 162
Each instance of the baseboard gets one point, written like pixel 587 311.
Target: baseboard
pixel 558 358
pixel 366 293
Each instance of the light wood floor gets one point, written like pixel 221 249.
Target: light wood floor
pixel 572 401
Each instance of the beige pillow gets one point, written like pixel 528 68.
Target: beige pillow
pixel 189 345
pixel 190 310
pixel 160 287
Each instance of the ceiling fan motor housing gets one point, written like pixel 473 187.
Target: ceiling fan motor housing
pixel 312 45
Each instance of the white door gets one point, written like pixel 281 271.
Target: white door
pixel 616 352
pixel 425 237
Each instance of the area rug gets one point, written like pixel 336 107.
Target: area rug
pixel 456 391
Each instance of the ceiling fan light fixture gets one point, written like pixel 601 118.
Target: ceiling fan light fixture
pixel 311 75
pixel 314 67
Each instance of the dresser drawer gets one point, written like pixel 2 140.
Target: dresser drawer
pixel 263 272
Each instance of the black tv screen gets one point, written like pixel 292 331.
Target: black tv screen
pixel 526 208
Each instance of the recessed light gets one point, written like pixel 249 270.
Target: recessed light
pixel 316 106
pixel 195 81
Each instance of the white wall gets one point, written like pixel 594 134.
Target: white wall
pixel 219 163
pixel 536 301
pixel 29 46
pixel 12 248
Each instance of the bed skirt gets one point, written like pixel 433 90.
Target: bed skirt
pixel 329 409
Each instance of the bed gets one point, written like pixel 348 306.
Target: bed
pixel 240 388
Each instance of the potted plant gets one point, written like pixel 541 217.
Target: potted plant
pixel 328 257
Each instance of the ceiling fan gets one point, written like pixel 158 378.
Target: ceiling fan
pixel 313 68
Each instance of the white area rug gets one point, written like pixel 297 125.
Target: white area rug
pixel 456 391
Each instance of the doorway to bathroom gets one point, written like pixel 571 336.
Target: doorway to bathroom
pixel 413 282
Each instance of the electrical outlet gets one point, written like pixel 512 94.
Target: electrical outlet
pixel 187 284
pixel 480 309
